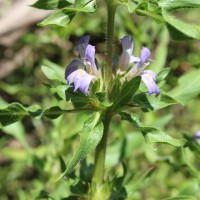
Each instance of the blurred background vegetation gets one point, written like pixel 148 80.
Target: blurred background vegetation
pixel 30 150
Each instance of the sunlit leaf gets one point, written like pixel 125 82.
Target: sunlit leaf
pixel 188 87
pixel 151 134
pixel 152 102
pixel 53 71
pixel 51 4
pixel 89 139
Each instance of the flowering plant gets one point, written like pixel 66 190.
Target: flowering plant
pixel 119 86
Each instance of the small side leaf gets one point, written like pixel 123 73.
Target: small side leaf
pixel 53 112
pixel 13 113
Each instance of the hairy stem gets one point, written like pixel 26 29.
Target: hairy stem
pixel 111 9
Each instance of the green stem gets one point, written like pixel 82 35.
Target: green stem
pixel 98 173
pixel 111 9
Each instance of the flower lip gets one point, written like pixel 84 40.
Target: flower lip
pixel 81 80
pixel 149 79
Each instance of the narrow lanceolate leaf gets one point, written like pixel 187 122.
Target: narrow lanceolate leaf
pixel 188 87
pixel 11 114
pixel 89 139
pixel 151 134
pixel 65 15
pixel 127 92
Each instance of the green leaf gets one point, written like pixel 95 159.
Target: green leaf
pixel 132 5
pixel 188 87
pixel 60 18
pixel 151 134
pixel 78 99
pixel 182 197
pixel 133 119
pixel 53 71
pixel 64 16
pixel 35 111
pixel 51 4
pixel 11 114
pixel 61 91
pixel 178 4
pixel 85 5
pixel 152 102
pixel 127 92
pixel 53 112
pixel 163 74
pixel 178 29
pixel 89 139
pixel 161 52
pixel 134 187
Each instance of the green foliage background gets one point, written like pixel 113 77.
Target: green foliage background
pixel 30 156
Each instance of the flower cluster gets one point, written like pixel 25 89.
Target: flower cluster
pixel 134 66
pixel 83 71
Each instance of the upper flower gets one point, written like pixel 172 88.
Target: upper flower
pixel 137 65
pixel 84 70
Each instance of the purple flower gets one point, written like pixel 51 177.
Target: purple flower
pixel 197 135
pixel 81 80
pixel 139 64
pixel 149 78
pixel 89 72
pixel 126 57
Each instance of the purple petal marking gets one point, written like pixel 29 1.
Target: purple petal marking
pixel 73 66
pixel 127 49
pixel 144 54
pixel 81 47
pixel 149 78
